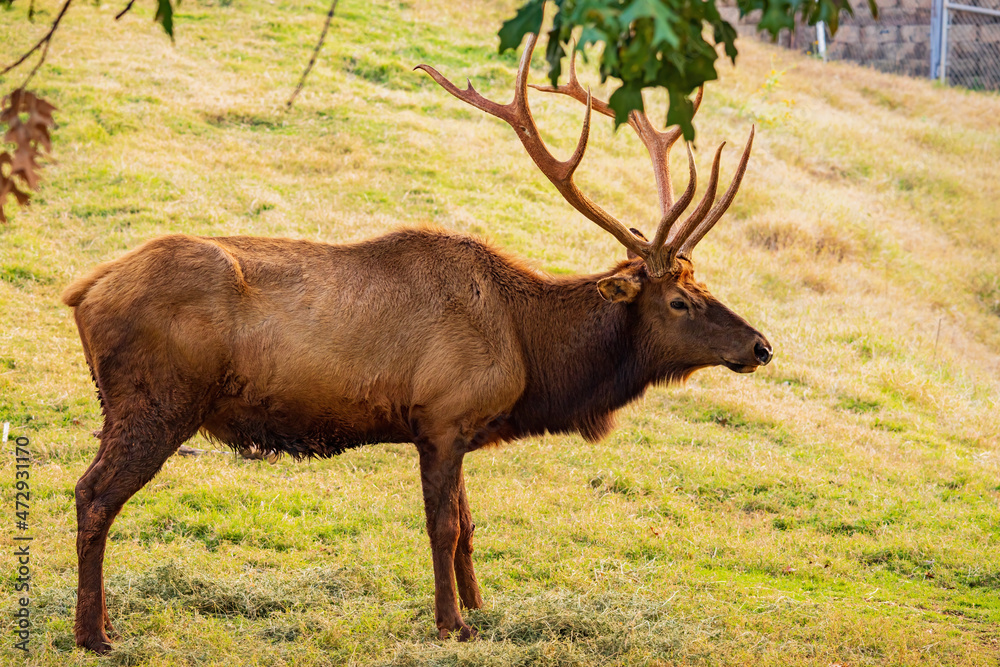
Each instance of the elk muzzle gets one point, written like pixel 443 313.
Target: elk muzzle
pixel 761 354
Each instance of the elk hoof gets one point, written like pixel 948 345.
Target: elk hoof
pixel 99 644
pixel 465 633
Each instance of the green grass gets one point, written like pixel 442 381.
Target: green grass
pixel 841 506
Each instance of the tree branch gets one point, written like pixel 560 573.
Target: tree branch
pixel 38 65
pixel 312 61
pixel 125 11
pixel 43 42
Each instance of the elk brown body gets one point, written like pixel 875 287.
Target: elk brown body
pixel 419 336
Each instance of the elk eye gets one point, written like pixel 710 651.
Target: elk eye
pixel 677 304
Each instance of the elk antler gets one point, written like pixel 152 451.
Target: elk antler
pixel 658 254
pixel 658 144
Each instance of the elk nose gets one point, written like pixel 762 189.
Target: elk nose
pixel 763 352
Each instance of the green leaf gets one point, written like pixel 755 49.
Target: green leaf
pixel 680 113
pixel 624 100
pixel 661 16
pixel 554 53
pixel 589 35
pixel 725 33
pixel 527 20
pixel 638 9
pixel 165 16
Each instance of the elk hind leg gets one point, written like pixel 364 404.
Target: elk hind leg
pixel 124 464
pixel 465 574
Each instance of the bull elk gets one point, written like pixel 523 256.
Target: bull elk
pixel 421 336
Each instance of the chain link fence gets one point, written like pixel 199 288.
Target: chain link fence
pixel 970 44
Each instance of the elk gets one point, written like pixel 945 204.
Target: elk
pixel 422 336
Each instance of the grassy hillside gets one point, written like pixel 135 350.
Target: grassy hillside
pixel 840 507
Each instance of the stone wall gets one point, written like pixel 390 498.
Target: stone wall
pixel 898 42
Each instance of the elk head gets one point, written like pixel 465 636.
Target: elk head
pixel 680 318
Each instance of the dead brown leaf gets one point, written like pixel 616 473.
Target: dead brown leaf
pixel 28 119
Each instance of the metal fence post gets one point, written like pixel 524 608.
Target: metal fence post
pixel 944 42
pixel 937 13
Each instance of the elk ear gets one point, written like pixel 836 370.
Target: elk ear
pixel 620 287
pixel 629 253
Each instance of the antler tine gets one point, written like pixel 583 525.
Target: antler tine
pixel 581 145
pixel 723 204
pixel 560 173
pixel 668 219
pixel 469 95
pixel 659 144
pixel 680 233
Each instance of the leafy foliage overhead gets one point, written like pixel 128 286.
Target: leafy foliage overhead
pixel 657 43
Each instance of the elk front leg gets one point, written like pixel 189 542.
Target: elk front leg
pixel 440 476
pixel 465 574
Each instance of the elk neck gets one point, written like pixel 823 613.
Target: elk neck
pixel 584 359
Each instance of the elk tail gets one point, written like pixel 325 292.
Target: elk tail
pixel 73 295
